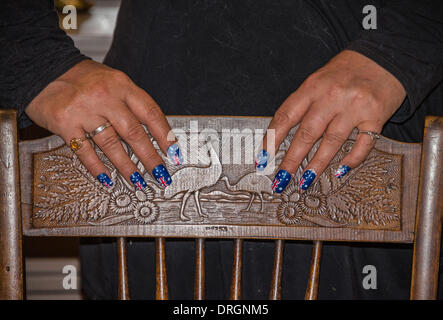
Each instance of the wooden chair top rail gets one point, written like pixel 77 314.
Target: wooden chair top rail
pixel 375 202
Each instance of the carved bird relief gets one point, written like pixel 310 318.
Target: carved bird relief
pixel 254 184
pixel 190 180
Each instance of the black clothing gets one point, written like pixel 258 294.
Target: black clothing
pixel 408 42
pixel 220 57
pixel 34 51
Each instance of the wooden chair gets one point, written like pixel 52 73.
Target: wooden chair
pixel 383 200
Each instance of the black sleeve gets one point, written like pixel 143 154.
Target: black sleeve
pixel 34 51
pixel 408 42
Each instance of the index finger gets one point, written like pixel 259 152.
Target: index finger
pixel 150 114
pixel 285 118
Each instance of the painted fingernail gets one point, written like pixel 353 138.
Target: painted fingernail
pixel 281 180
pixel 307 179
pixel 175 155
pixel 342 170
pixel 262 160
pixel 162 175
pixel 105 180
pixel 138 180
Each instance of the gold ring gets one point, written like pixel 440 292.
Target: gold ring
pixel 372 134
pixel 99 129
pixel 76 144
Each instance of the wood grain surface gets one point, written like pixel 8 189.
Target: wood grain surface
pixel 376 202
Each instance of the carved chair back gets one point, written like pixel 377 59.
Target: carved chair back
pixel 218 194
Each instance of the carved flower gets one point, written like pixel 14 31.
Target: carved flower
pixel 291 193
pixel 146 212
pixel 296 203
pixel 122 202
pixel 312 203
pixel 287 213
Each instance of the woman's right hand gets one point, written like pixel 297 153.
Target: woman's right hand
pixel 91 94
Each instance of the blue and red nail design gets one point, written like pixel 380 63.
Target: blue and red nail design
pixel 307 179
pixel 262 160
pixel 162 175
pixel 175 155
pixel 105 180
pixel 281 180
pixel 342 170
pixel 138 180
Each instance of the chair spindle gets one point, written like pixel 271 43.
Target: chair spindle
pixel 236 270
pixel 123 286
pixel 312 289
pixel 199 284
pixel 161 292
pixel 275 292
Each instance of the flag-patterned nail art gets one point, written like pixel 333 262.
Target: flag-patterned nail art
pixel 105 180
pixel 281 180
pixel 175 155
pixel 262 160
pixel 138 180
pixel 342 170
pixel 162 175
pixel 307 179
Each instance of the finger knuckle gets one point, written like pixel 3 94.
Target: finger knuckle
pixel 110 142
pixel 105 84
pixel 135 133
pixel 334 137
pixel 153 112
pixel 120 77
pixel 361 94
pixel 312 80
pixel 306 135
pixel 289 161
pixel 281 117
pixel 98 90
pixel 365 97
pixel 151 155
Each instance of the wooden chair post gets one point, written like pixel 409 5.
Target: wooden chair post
pixel 11 263
pixel 123 286
pixel 429 213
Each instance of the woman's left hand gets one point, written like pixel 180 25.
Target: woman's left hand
pixel 351 91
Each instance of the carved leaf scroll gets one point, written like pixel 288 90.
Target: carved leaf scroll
pixel 66 194
pixel 367 197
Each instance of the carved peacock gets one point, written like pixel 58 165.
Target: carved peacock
pixel 191 180
pixel 254 184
